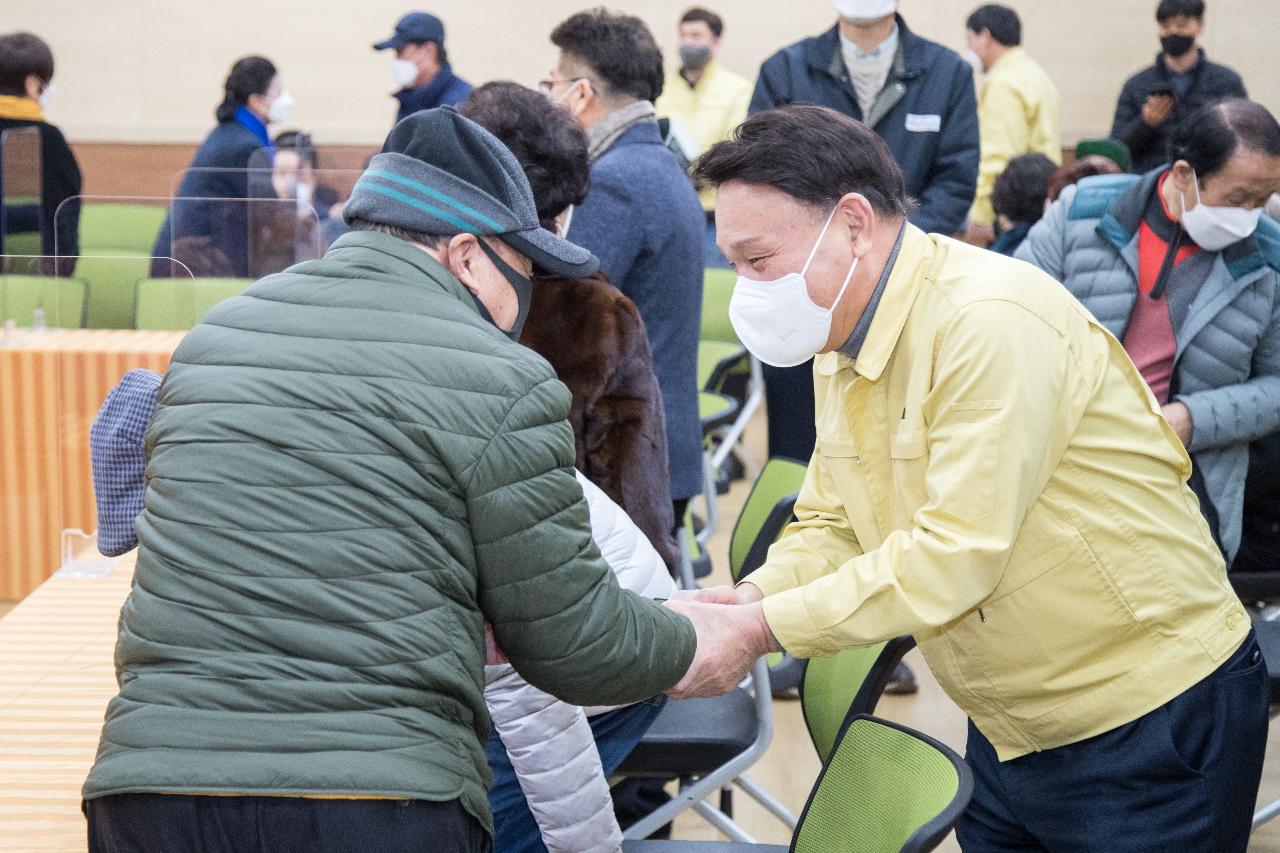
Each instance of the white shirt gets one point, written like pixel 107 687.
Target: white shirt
pixel 869 70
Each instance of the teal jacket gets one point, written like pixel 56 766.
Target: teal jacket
pixel 349 471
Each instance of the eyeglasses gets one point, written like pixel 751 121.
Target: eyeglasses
pixel 548 86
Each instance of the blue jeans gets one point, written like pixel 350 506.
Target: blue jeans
pixel 1181 778
pixel 616 733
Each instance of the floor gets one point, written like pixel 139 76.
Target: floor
pixel 790 766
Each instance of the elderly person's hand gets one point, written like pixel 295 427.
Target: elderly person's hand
pixel 1179 418
pixel 744 593
pixel 730 639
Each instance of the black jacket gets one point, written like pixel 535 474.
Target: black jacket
pixel 1149 146
pixel 57 218
pixel 927 113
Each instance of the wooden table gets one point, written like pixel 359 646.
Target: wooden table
pixel 52 383
pixel 56 677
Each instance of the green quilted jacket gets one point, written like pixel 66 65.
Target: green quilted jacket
pixel 349 470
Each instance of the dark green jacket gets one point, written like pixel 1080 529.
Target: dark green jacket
pixel 349 470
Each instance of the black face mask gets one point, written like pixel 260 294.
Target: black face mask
pixel 694 57
pixel 1176 46
pixel 522 286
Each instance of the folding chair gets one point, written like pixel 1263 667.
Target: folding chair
pixel 709 743
pixel 34 300
pixel 721 355
pixel 884 788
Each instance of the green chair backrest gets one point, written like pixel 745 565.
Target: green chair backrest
pixel 779 480
pixel 119 228
pixel 717 290
pixel 23 243
pixel 111 275
pixel 180 303
pixel 829 687
pixel 884 789
pixel 61 299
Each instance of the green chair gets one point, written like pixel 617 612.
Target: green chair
pixel 721 356
pixel 846 684
pixel 709 743
pixel 883 789
pixel 180 303
pixel 61 300
pixel 116 240
pixel 119 227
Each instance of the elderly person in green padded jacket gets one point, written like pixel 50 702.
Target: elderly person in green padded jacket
pixel 351 468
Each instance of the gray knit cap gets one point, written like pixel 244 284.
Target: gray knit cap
pixel 440 173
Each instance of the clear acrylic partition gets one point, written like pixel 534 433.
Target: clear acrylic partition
pixel 257 221
pixel 54 376
pixel 21 195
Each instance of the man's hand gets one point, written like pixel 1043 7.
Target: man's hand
pixel 981 236
pixel 746 593
pixel 730 639
pixel 1156 110
pixel 1179 418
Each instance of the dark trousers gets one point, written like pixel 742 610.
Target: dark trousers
pixel 788 398
pixel 165 823
pixel 1182 778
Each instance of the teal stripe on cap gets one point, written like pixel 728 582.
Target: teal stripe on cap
pixel 429 192
pixel 413 202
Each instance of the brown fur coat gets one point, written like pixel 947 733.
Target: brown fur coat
pixel 595 340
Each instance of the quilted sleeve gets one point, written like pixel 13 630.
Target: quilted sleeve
pixel 556 609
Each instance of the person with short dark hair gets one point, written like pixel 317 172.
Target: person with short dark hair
pixel 1176 264
pixel 1155 102
pixel 1018 199
pixel 991 477
pixel 420 66
pixel 207 231
pixel 919 97
pixel 706 98
pixel 641 217
pixel 26 89
pixel 1018 108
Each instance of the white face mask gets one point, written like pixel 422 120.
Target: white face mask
pixel 404 72
pixel 863 11
pixel 46 97
pixel 777 321
pixel 1272 207
pixel 303 193
pixel 1216 228
pixel 281 108
pixel 975 61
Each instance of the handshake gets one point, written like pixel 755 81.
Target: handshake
pixel 732 634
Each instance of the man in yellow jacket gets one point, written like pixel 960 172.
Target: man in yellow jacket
pixel 706 98
pixel 992 476
pixel 1018 107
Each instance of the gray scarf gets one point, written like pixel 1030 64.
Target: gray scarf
pixel 601 137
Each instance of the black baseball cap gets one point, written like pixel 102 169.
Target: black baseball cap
pixel 414 27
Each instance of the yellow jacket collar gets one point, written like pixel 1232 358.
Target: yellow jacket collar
pixel 914 265
pixel 20 108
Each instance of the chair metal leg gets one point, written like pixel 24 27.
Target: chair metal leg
pixel 770 802
pixel 687 580
pixel 755 396
pixel 1266 814
pixel 722 822
pixel 711 500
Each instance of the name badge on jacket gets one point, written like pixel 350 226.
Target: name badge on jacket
pixel 924 123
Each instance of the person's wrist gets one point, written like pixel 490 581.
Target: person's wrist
pixel 765 641
pixel 748 593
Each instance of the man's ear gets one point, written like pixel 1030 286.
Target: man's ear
pixel 1182 175
pixel 856 212
pixel 461 255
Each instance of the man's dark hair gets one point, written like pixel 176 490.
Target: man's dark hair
pixel 300 142
pixel 1020 190
pixel 442 55
pixel 1001 21
pixel 813 154
pixel 431 241
pixel 251 75
pixel 1211 134
pixel 706 16
pixel 1180 8
pixel 21 55
pixel 619 50
pixel 547 141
